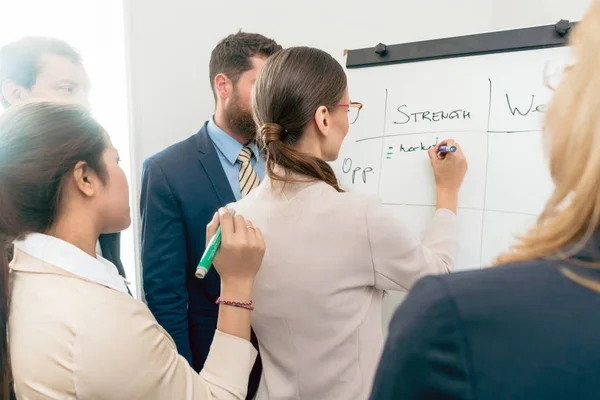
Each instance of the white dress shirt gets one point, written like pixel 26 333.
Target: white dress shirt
pixel 64 255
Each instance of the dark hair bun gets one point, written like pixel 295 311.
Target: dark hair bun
pixel 271 132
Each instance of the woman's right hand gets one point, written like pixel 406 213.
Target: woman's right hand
pixel 242 248
pixel 237 261
pixel 449 170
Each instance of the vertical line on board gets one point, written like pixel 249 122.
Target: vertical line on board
pixel 382 144
pixel 487 157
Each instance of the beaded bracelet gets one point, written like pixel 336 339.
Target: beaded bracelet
pixel 247 306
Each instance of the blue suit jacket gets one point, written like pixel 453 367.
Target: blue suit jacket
pixel 182 188
pixel 524 331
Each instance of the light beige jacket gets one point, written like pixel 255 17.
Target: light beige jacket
pixel 318 295
pixel 73 338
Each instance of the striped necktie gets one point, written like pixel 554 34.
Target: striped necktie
pixel 248 177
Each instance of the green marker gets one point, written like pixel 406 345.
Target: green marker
pixel 210 252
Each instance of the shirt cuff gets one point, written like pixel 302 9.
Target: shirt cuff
pixel 445 211
pixel 229 361
pixel 443 234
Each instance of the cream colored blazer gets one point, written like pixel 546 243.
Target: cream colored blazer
pixel 318 295
pixel 73 338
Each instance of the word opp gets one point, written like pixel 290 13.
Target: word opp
pixel 347 169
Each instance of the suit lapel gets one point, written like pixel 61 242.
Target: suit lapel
pixel 106 244
pixel 111 250
pixel 109 243
pixel 209 160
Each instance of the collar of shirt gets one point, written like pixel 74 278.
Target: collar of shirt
pixel 70 258
pixel 226 145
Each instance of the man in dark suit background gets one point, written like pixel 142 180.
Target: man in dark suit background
pixel 184 185
pixel 50 69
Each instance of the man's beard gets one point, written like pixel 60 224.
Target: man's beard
pixel 240 119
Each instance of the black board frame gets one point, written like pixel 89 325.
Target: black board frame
pixel 538 37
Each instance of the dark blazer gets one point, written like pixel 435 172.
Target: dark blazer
pixel 521 331
pixel 182 188
pixel 110 244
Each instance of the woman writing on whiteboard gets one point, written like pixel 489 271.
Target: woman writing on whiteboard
pixel 330 254
pixel 74 331
pixel 527 329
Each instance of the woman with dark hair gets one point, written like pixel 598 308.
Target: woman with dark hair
pixel 73 330
pixel 330 254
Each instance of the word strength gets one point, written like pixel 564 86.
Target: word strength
pixel 431 116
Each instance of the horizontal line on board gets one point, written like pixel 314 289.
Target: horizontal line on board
pixel 509 132
pixel 418 133
pixel 463 208
pixel 438 132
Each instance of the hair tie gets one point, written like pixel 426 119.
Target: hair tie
pixel 272 132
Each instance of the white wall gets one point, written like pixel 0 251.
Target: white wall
pixel 511 14
pixel 170 44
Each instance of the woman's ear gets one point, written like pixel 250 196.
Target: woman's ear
pixel 322 117
pixel 86 180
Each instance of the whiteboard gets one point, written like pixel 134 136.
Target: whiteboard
pixel 493 105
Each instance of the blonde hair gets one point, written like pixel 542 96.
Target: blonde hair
pixel 572 138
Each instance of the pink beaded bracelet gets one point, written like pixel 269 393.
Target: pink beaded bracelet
pixel 247 306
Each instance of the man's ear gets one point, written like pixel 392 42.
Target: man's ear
pixel 86 179
pixel 13 92
pixel 322 121
pixel 223 86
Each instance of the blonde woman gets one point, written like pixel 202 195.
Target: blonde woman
pixel 528 329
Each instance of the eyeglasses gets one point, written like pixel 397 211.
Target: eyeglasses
pixel 353 110
pixel 555 72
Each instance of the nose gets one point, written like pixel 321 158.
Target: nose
pixel 81 98
pixel 84 101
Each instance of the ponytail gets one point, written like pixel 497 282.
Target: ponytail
pixel 273 136
pixel 289 90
